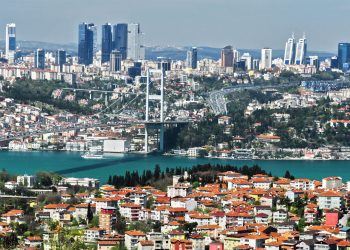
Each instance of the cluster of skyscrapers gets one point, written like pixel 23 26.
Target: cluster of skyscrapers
pixel 231 58
pixel 295 53
pixel 124 40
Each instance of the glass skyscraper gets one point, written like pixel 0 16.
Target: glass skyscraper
pixel 301 50
pixel 120 38
pixel 135 47
pixel 87 33
pixel 192 58
pixel 60 58
pixel 227 57
pixel 39 59
pixel 289 52
pixel 10 38
pixel 343 54
pixel 106 42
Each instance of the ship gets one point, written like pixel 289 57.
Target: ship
pixel 91 155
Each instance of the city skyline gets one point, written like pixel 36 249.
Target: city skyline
pixel 170 28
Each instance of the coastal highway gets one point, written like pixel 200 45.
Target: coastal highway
pixel 217 100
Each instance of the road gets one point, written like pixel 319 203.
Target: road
pixel 83 126
pixel 218 102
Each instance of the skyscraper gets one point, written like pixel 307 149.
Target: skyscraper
pixel 236 56
pixel 248 61
pixel 266 58
pixel 106 42
pixel 60 58
pixel 115 62
pixel 192 58
pixel 289 52
pixel 313 61
pixel 301 51
pixel 93 29
pixel 39 59
pixel 10 39
pixel 120 39
pixel 343 54
pixel 86 43
pixel 227 57
pixel 135 47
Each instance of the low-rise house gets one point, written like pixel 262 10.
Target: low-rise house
pixel 254 240
pixel 145 245
pixel 332 182
pixel 33 241
pixel 93 234
pixel 330 200
pixel 179 190
pixel 130 211
pixel 279 216
pixel 15 215
pixel 132 238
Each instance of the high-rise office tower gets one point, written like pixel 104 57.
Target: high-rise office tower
pixel 236 56
pixel 227 57
pixel 39 59
pixel 115 62
pixel 192 55
pixel 343 54
pixel 60 58
pixel 135 47
pixel 248 61
pixel 301 50
pixel 87 33
pixel 93 28
pixel 266 58
pixel 164 63
pixel 313 61
pixel 256 64
pixel 107 42
pixel 10 42
pixel 120 38
pixel 289 51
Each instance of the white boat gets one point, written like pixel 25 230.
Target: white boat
pixel 90 155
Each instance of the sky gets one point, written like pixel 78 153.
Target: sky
pixel 249 24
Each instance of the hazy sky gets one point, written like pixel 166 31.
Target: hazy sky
pixel 241 23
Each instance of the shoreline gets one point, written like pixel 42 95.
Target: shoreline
pixel 174 155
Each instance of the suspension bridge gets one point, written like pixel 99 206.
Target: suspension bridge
pixel 156 122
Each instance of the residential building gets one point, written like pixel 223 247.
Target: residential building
pixel 108 219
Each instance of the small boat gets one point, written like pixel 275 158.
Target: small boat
pixel 90 155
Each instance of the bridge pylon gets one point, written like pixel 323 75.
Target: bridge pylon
pixel 155 97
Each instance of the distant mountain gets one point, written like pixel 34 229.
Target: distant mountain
pixel 71 48
pixel 179 53
pixel 175 53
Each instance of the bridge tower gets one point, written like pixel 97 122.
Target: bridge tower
pixel 156 122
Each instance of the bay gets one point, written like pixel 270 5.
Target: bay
pixel 71 164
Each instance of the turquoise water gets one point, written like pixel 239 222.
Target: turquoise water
pixel 71 164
